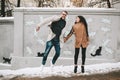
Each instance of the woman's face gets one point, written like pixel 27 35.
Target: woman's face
pixel 77 19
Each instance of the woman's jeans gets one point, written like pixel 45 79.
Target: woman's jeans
pixel 49 45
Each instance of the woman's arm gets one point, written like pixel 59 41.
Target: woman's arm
pixel 69 35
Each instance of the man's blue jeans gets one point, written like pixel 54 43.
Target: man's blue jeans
pixel 49 45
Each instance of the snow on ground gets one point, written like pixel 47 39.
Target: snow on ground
pixel 65 71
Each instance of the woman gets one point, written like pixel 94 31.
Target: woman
pixel 80 31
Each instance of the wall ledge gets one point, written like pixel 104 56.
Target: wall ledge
pixel 84 11
pixel 6 19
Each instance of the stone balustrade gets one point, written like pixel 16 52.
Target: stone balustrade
pixel 103 27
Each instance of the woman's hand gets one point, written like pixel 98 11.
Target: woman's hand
pixel 38 28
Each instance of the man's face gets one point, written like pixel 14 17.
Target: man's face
pixel 63 14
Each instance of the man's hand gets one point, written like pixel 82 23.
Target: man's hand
pixel 37 29
pixel 64 39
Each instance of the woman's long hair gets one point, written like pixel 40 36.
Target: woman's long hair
pixel 83 20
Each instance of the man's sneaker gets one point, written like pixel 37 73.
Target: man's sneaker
pixel 41 68
pixel 40 54
pixel 51 65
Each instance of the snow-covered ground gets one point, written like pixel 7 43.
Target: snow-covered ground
pixel 65 71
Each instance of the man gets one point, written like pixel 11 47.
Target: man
pixel 56 27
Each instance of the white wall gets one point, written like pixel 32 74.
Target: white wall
pixel 103 27
pixel 6 37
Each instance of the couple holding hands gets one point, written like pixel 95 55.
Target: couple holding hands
pixel 79 29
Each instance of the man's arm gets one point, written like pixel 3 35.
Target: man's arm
pixel 47 20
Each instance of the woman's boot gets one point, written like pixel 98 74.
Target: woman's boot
pixel 82 69
pixel 75 69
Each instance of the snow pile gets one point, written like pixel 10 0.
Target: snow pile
pixel 66 71
pixel 1 64
pixel 6 18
